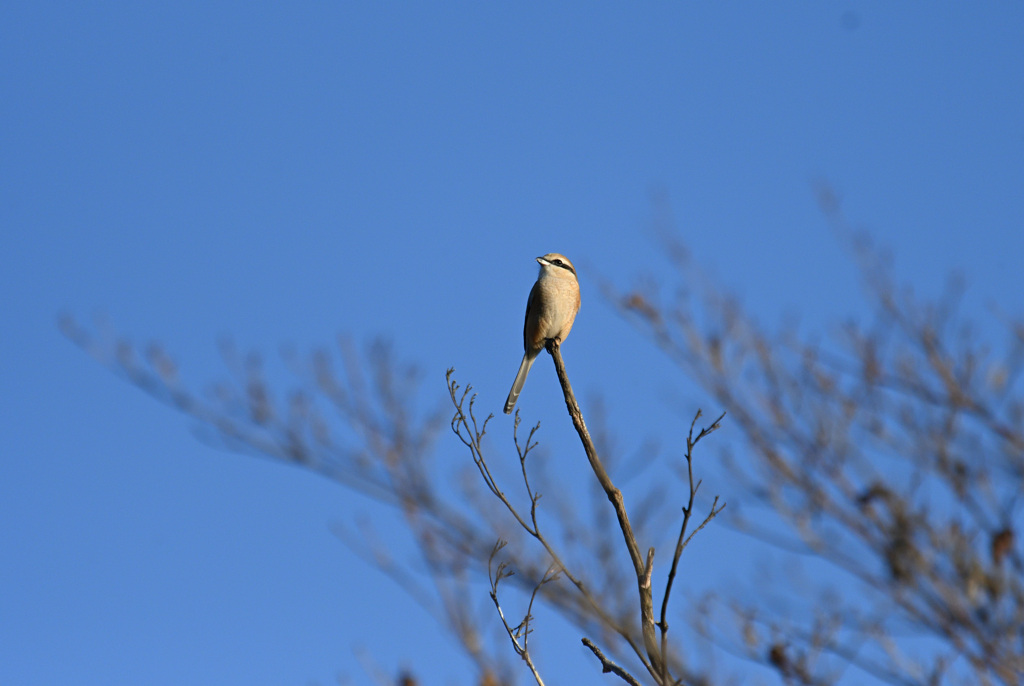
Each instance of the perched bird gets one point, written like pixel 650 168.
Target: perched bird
pixel 550 312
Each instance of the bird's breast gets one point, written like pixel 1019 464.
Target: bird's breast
pixel 559 303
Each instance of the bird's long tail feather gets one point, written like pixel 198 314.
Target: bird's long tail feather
pixel 517 385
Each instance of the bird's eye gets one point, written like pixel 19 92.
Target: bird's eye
pixel 559 263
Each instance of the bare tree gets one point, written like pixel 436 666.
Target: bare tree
pixel 652 655
pixel 888 457
pixel 382 447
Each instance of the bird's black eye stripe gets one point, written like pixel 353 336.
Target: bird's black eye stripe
pixel 563 265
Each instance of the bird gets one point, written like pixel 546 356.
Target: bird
pixel 550 312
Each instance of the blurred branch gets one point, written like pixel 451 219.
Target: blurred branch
pixel 888 456
pixel 355 425
pixel 892 452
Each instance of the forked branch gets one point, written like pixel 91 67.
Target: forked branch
pixel 683 539
pixel 519 634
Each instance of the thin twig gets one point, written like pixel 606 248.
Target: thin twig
pixel 522 631
pixel 683 540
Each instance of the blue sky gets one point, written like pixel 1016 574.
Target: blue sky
pixel 282 173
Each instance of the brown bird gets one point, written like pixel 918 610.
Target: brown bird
pixel 550 312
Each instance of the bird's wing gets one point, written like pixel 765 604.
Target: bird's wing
pixel 529 306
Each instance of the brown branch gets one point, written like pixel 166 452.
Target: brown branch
pixel 523 630
pixel 683 539
pixel 465 426
pixel 641 567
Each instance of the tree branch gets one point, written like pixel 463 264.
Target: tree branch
pixel 683 540
pixel 641 567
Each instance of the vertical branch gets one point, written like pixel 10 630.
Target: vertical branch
pixel 522 631
pixel 683 539
pixel 641 567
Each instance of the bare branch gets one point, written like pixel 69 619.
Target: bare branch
pixel 683 540
pixel 464 425
pixel 641 567
pixel 520 634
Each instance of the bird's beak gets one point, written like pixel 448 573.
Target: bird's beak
pixel 541 260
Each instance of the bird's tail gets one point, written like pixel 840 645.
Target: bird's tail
pixel 517 385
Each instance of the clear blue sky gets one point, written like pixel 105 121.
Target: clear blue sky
pixel 284 172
